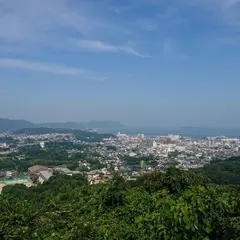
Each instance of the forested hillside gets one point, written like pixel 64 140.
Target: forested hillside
pixel 11 125
pixel 173 205
pixel 223 171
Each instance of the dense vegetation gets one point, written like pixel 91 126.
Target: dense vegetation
pixel 135 163
pixel 173 205
pixel 223 171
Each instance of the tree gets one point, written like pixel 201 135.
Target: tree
pixel 174 205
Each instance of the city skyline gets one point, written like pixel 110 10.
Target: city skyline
pixel 144 63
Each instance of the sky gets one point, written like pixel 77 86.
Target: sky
pixel 142 62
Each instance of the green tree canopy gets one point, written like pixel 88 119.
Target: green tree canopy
pixel 173 205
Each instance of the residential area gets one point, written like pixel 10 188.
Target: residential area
pixel 33 158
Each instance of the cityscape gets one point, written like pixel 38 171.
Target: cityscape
pixel 119 120
pixel 130 155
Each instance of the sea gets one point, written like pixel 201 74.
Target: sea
pixel 196 133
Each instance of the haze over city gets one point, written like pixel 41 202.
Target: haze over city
pixel 119 119
pixel 141 62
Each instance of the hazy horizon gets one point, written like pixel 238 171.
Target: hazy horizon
pixel 138 126
pixel 143 63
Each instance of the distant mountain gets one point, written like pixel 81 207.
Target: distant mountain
pixel 11 125
pixel 104 126
pixel 66 125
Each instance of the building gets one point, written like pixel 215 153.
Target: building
pixel 4 153
pixel 42 145
pixel 9 174
pixel 35 170
pixel 3 145
pixel 151 143
pixel 174 137
pixel 132 154
pixel 99 180
pixel 64 170
pixel 44 175
pixel 141 136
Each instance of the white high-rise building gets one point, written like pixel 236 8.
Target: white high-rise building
pixel 151 143
pixel 42 145
pixel 154 144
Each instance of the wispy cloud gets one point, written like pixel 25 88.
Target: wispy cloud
pixel 40 67
pixel 40 17
pixel 226 12
pixel 96 46
pixel 99 46
pixel 147 24
pixel 35 24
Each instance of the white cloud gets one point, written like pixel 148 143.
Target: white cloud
pixel 147 24
pixel 221 12
pixel 226 12
pixel 130 50
pixel 30 19
pixel 32 25
pixel 99 46
pixel 40 67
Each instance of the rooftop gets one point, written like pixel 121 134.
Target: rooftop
pixel 46 175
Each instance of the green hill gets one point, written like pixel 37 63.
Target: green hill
pixel 222 171
pixel 11 125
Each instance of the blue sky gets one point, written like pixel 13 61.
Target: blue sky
pixel 142 62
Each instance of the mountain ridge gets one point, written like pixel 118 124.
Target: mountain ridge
pixel 16 124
